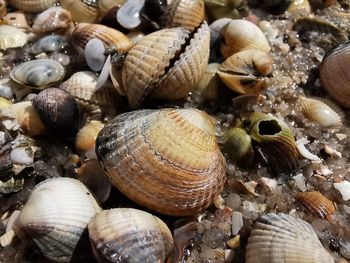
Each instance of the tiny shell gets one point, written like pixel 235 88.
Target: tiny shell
pixel 12 37
pixel 86 137
pixel 129 235
pixel 344 189
pixel 82 10
pixel 284 238
pixel 32 6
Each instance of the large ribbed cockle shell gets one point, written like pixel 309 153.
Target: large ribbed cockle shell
pixel 32 6
pixel 335 74
pixel 184 13
pixel 166 160
pixel 281 238
pixel 166 64
pixel 55 216
pixel 129 235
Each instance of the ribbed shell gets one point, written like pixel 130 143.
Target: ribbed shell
pixel 129 235
pixel 335 74
pixel 55 216
pixel 166 64
pixel 281 238
pixel 166 160
pixel 82 10
pixel 83 32
pixel 11 37
pixel 317 203
pixel 32 6
pixel 184 13
pixel 54 19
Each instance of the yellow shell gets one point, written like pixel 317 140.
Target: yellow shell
pixel 166 160
pixel 86 137
pixel 166 64
pixel 82 10
pixel 32 6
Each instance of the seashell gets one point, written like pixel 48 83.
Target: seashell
pixel 166 64
pixel 81 85
pixel 241 35
pixel 334 74
pixel 32 6
pixel 12 37
pixel 82 10
pixel 17 19
pixel 244 72
pixel 129 235
pixel 38 73
pixel 86 137
pixel 344 189
pixel 129 14
pixel 166 160
pixel 322 111
pixel 135 36
pixel 6 164
pixel 106 5
pixel 56 215
pixel 58 110
pixel 54 19
pixel 11 185
pixel 299 7
pixel 237 143
pixel 317 203
pixel 95 54
pixel 3 9
pixel 274 140
pixel 49 43
pixel 112 38
pixel 188 14
pixel 218 9
pixel 207 88
pixel 284 238
pixel 216 27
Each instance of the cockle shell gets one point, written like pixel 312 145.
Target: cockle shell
pixel 335 74
pixel 166 64
pixel 129 235
pixel 82 10
pixel 241 35
pixel 188 14
pixel 48 43
pixel 55 216
pixel 166 160
pixel 245 72
pixel 32 6
pixel 54 19
pixel 86 137
pixel 38 73
pixel 12 37
pixel 317 203
pixel 322 111
pixel 112 38
pixel 278 238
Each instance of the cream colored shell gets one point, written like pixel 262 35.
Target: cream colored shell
pixel 12 37
pixel 81 10
pixel 32 6
pixel 86 137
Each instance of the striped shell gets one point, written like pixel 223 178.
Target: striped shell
pixel 188 14
pixel 55 216
pixel 281 238
pixel 335 74
pixel 129 235
pixel 112 38
pixel 82 10
pixel 32 6
pixel 317 203
pixel 166 160
pixel 12 37
pixel 54 19
pixel 166 64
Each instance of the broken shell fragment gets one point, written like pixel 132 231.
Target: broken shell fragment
pixel 166 160
pixel 12 37
pixel 344 189
pixel 130 235
pixel 32 6
pixel 284 238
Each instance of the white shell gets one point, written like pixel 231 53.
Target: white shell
pixel 94 54
pixel 48 43
pixel 11 37
pixel 281 238
pixel 344 189
pixel 128 16
pixel 55 216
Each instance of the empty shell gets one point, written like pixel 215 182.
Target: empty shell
pixel 12 37
pixel 82 10
pixel 32 6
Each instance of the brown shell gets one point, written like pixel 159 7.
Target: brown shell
pixel 86 137
pixel 166 160
pixel 317 203
pixel 82 10
pixel 166 64
pixel 184 13
pixel 54 19
pixel 32 6
pixel 3 9
pixel 83 32
pixel 335 74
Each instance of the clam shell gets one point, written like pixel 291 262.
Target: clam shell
pixel 244 72
pixel 183 13
pixel 129 235
pixel 49 43
pixel 95 54
pixel 129 14
pixel 208 86
pixel 82 10
pixel 55 216
pixel 54 19
pixel 335 74
pixel 317 203
pixel 166 64
pixel 241 35
pixel 32 6
pixel 280 238
pixel 166 160
pixel 112 38
pixel 86 137
pixel 12 37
